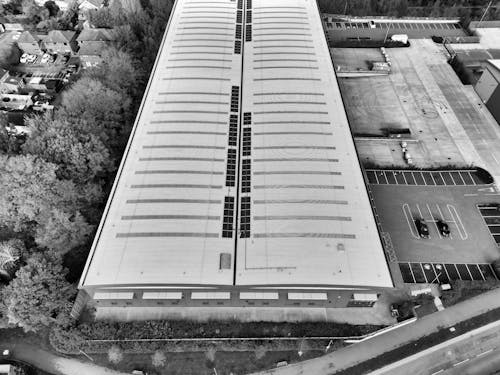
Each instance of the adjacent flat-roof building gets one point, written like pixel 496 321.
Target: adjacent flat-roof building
pixel 488 87
pixel 240 186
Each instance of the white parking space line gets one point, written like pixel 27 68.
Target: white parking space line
pixel 423 178
pixel 434 220
pixel 420 212
pixel 484 353
pixel 404 177
pixel 481 272
pixel 470 274
pixel 458 221
pixel 412 275
pixel 438 372
pixel 410 221
pixel 494 158
pixel 376 177
pixel 445 219
pixel 473 181
pixel 461 362
pixel 460 174
pixel 433 178
pixel 446 271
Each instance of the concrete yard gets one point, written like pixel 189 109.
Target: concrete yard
pixel 449 124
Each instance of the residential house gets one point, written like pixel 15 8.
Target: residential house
pixel 91 44
pixel 41 84
pixel 7 370
pixel 11 84
pixel 89 6
pixel 15 102
pixel 30 43
pixel 60 41
pixel 7 26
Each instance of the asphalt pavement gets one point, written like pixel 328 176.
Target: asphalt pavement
pixel 378 345
pixel 476 352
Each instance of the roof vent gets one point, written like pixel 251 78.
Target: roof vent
pixel 340 247
pixel 225 261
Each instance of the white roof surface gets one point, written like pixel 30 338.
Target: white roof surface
pixel 310 218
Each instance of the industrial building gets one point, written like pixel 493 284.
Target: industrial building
pixel 488 87
pixel 240 189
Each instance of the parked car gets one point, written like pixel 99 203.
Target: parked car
pixel 24 58
pixel 32 58
pixel 46 58
pixel 443 228
pixel 422 228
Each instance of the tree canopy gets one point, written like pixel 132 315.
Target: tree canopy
pixel 38 294
pixel 32 199
pixel 80 155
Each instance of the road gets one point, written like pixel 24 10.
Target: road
pixel 376 346
pixel 476 352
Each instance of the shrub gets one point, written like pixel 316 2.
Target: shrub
pixel 115 354
pixel 210 354
pixel 158 359
pixel 260 352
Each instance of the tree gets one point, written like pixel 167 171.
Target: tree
pixel 10 256
pixel 69 18
pixel 62 231
pixel 33 12
pixel 116 65
pixel 38 294
pixel 10 142
pixel 13 7
pixel 52 8
pixel 81 156
pixel 102 18
pixel 29 192
pixel 101 111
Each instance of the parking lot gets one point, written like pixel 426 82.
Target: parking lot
pixel 423 178
pixel 444 272
pixel 491 216
pixel 468 211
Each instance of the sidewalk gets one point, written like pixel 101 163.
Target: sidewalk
pixel 54 364
pixel 371 348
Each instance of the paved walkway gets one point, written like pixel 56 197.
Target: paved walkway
pixel 52 363
pixel 378 345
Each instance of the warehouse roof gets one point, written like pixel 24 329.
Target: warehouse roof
pixel 300 210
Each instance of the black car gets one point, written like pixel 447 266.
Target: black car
pixel 443 228
pixel 422 228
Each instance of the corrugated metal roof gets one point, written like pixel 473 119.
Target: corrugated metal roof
pixel 300 196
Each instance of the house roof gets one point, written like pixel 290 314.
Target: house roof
pixel 28 37
pixel 13 80
pixel 91 3
pixel 96 35
pixel 59 36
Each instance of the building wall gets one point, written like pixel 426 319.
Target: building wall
pixel 493 104
pixel 486 85
pixel 59 47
